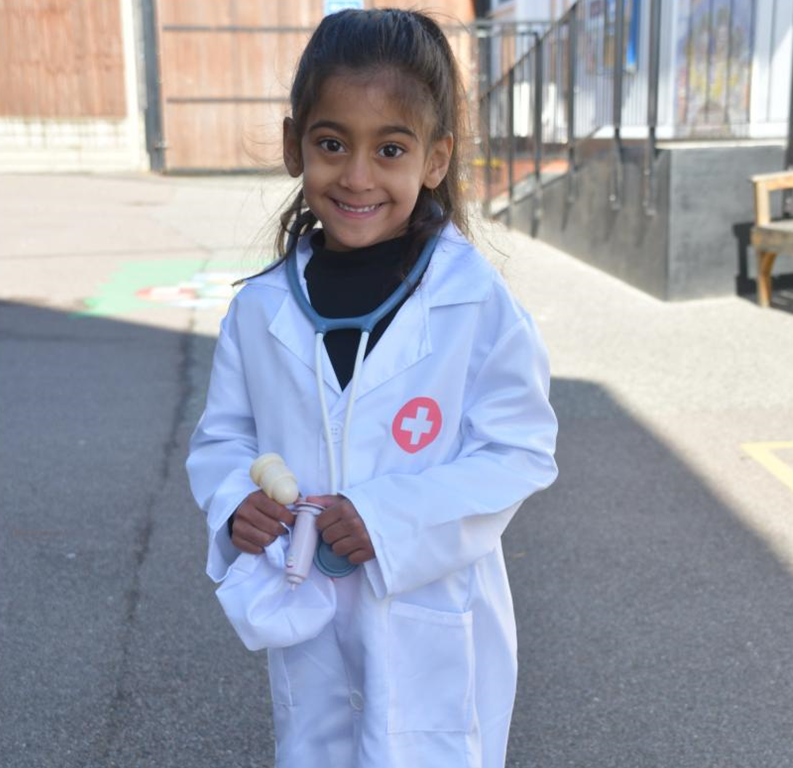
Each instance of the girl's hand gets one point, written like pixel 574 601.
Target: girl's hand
pixel 343 528
pixel 258 522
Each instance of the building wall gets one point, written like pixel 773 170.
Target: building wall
pixel 533 10
pixel 68 86
pixel 711 210
pixel 696 244
pixel 58 59
pixel 773 44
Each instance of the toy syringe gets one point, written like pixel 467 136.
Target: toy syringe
pixel 272 475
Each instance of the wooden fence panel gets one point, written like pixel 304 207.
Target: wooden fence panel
pixel 226 67
pixel 271 13
pixel 61 59
pixel 225 79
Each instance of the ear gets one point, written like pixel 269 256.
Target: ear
pixel 438 159
pixel 293 157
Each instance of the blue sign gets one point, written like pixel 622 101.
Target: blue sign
pixel 334 6
pixel 632 50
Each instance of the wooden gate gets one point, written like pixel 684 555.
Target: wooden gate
pixel 61 59
pixel 225 67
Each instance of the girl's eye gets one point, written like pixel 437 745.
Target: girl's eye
pixel 331 145
pixel 391 150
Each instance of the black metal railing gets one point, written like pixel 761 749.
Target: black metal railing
pixel 621 69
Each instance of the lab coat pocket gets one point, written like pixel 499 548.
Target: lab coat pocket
pixel 430 668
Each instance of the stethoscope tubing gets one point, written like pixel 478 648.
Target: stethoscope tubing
pixel 359 355
pixel 365 324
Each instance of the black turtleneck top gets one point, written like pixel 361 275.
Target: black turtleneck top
pixel 350 284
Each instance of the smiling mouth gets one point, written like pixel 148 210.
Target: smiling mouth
pixel 360 209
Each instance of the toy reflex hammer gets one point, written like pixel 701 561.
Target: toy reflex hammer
pixel 272 475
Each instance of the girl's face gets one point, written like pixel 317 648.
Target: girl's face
pixel 363 161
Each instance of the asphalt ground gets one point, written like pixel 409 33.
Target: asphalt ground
pixel 652 582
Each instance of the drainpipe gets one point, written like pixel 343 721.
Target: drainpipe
pixel 155 143
pixel 787 199
pixel 649 197
pixel 572 65
pixel 615 194
pixel 536 209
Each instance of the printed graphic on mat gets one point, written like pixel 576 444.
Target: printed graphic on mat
pixel 203 289
pixel 135 286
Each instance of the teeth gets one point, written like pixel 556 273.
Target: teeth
pixel 352 209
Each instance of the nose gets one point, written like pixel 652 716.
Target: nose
pixel 357 173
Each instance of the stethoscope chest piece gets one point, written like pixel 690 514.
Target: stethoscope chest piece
pixel 331 564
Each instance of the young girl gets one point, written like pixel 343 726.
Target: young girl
pixel 410 660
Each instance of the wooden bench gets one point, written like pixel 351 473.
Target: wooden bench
pixel 769 237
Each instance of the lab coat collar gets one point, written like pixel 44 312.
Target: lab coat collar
pixel 457 274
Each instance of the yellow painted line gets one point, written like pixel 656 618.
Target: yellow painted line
pixel 763 454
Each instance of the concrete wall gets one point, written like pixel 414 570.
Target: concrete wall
pixel 711 196
pixel 696 244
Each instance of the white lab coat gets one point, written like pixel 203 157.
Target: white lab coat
pixel 411 661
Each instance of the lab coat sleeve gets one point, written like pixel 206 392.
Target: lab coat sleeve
pixel 222 448
pixel 426 526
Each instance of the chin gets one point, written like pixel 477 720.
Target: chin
pixel 354 241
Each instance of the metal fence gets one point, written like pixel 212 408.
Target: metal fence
pixel 622 69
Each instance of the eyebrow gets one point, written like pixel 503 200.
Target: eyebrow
pixel 384 131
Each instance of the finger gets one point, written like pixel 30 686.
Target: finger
pixel 339 535
pixel 345 546
pixel 360 556
pixel 286 516
pixel 264 505
pixel 268 525
pixel 258 516
pixel 255 536
pixel 330 516
pixel 247 547
pixel 337 530
pixel 253 544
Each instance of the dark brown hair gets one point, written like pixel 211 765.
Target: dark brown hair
pixel 379 41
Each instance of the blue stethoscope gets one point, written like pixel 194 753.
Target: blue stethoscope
pixel 325 559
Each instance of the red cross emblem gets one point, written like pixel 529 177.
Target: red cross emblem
pixel 417 424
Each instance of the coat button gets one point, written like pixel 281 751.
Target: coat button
pixel 356 701
pixel 335 431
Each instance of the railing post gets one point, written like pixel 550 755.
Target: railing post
pixel 787 199
pixel 572 65
pixel 615 195
pixel 488 119
pixel 536 210
pixel 650 186
pixel 510 143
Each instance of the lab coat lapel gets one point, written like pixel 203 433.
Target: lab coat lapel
pixel 406 341
pixel 456 275
pixel 293 329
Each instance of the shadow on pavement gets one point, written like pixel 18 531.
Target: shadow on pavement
pixel 653 626
pixel 654 629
